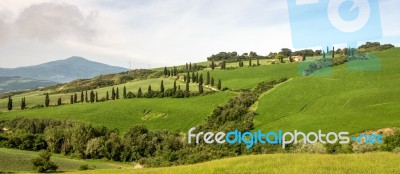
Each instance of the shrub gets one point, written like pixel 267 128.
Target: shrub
pixel 392 141
pixel 396 150
pixel 363 147
pixel 309 148
pixel 43 164
pixel 84 167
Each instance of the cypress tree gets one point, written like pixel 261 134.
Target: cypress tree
pixel 175 86
pixel 82 97
pixel 249 61
pixel 219 86
pixel 201 84
pixel 139 93
pixel 212 64
pixel 258 61
pixel 149 89
pixel 107 96
pixel 117 94
pixel 75 98
pixel 184 78
pixel 86 97
pixel 187 87
pixel 201 79
pixel 97 97
pixel 92 97
pixel 165 71
pixel 10 104
pixel 187 67
pixel 212 81
pixel 47 100
pixel 162 86
pixel 71 101
pixel 188 77
pixel 124 92
pixel 23 104
pixel 197 77
pixel 208 78
pixel 333 53
pixel 113 94
pixel 59 102
pixel 190 65
pixel 193 77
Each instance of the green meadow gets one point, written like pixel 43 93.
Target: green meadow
pixel 282 164
pixel 156 113
pixel 37 97
pixel 347 100
pixel 12 160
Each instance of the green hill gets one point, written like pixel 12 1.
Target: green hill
pixel 346 101
pixel 283 163
pixel 12 160
pixel 156 113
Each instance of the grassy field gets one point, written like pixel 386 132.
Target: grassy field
pixel 164 113
pixel 12 160
pixel 282 163
pixel 37 97
pixel 248 77
pixel 346 101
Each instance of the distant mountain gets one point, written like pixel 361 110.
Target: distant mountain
pixel 12 84
pixel 62 70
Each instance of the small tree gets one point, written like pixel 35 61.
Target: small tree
pixel 23 104
pixel 82 97
pixel 107 96
pixel 10 104
pixel 250 61
pixel 86 97
pixel 208 78
pixel 75 98
pixel 175 86
pixel 59 102
pixel 92 97
pixel 139 93
pixel 166 71
pixel 42 163
pixel 187 87
pixel 71 101
pixel 212 81
pixel 117 94
pixel 97 97
pixel 219 86
pixel 162 86
pixel 47 100
pixel 258 61
pixel 149 89
pixel 212 64
pixel 124 92
pixel 113 94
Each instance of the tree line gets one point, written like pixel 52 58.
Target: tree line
pixel 114 94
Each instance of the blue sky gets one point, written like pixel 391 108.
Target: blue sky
pixel 150 33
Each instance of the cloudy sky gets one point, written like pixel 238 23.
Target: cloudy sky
pixel 150 33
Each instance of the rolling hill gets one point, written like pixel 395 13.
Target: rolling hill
pixel 62 70
pixel 11 84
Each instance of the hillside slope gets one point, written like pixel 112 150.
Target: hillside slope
pixel 346 101
pixel 283 163
pixel 10 84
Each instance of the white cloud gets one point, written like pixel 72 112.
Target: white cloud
pixel 147 32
